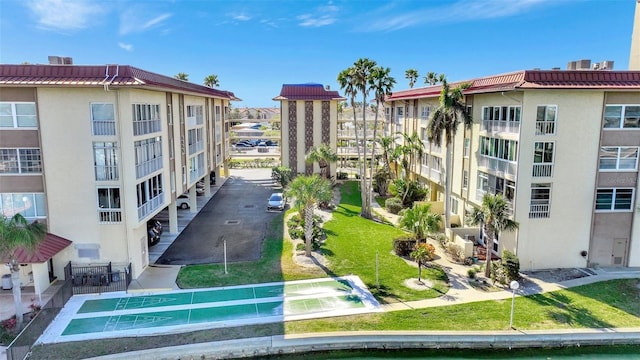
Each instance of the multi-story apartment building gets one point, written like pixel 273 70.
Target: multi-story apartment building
pixel 96 151
pixel 309 115
pixel 561 146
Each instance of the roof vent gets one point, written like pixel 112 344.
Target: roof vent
pixel 60 60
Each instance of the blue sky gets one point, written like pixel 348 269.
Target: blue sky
pixel 256 46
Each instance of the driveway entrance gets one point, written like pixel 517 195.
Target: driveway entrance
pixel 236 214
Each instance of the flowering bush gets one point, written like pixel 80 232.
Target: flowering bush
pixel 8 324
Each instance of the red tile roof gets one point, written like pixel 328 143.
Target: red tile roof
pixel 307 92
pixel 99 75
pixel 48 248
pixel 536 79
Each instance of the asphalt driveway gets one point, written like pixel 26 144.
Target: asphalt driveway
pixel 236 214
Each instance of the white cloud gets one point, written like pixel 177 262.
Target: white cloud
pixel 241 17
pixel 460 11
pixel 132 21
pixel 322 16
pixel 128 47
pixel 64 14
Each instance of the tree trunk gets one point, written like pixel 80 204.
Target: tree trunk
pixel 308 229
pixel 488 242
pixel 447 186
pixel 17 297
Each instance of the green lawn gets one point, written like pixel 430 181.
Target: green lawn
pixel 351 247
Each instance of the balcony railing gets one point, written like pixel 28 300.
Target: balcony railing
pixel 195 147
pixel 101 128
pixel 537 211
pixel 542 170
pixel 545 127
pixel 106 173
pixel 110 215
pixel 352 133
pixel 148 167
pixel 146 127
pixel 150 206
pixel 496 126
pixel 498 165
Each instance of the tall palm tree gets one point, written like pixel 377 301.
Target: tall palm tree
pixel 414 149
pixel 355 81
pixel 381 83
pixel 16 233
pixel 323 155
pixel 412 76
pixel 182 76
pixel 386 143
pixel 444 122
pixel 307 191
pixel 494 216
pixel 211 81
pixel 420 220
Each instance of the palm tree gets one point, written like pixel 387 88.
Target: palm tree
pixel 444 123
pixel 420 220
pixel 381 84
pixel 323 155
pixel 414 149
pixel 182 76
pixel 307 192
pixel 386 143
pixel 412 76
pixel 494 216
pixel 422 253
pixel 433 78
pixel 211 81
pixel 16 233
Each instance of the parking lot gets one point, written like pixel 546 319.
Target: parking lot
pixel 236 215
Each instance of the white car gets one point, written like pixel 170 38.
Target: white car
pixel 183 201
pixel 276 202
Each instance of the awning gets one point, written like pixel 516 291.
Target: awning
pixel 48 248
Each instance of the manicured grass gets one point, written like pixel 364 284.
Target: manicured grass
pixel 351 247
pixel 611 304
pixel 353 243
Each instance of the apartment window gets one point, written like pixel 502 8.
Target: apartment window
pixel 148 156
pixel 29 205
pixel 425 112
pixel 20 161
pixel 514 113
pixel 146 119
pixel 150 195
pixel 465 179
pixel 543 158
pixel 614 199
pixel 18 115
pixel 546 119
pixel 622 117
pixel 399 113
pixel 109 205
pixel 195 115
pixel 105 157
pixel 103 120
pixel 466 150
pixel 614 158
pixel 195 138
pixel 540 201
pixel 498 148
pixel 454 206
pixel 387 114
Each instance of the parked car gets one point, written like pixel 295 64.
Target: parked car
pixel 200 188
pixel 271 143
pixel 183 201
pixel 242 145
pixel 276 202
pixel 154 230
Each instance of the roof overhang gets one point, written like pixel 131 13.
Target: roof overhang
pixel 48 248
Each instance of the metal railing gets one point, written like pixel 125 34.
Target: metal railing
pixel 149 166
pixel 494 126
pixel 542 170
pixel 92 279
pixel 545 127
pixel 498 165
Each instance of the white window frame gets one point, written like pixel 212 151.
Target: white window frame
pixel 543 168
pixel 620 120
pixel 614 197
pixel 546 126
pixel 109 208
pixel 23 165
pixel 105 126
pixel 540 207
pixel 619 150
pixel 15 117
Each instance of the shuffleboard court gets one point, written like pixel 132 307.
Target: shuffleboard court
pixel 120 314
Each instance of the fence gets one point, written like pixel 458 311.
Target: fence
pixel 78 280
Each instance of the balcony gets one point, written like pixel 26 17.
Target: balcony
pixel 500 126
pixel 150 206
pixel 499 166
pixel 148 167
pixel 194 148
pixel 352 133
pixel 542 170
pixel 545 127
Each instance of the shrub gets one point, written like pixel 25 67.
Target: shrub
pixel 511 265
pixel 442 239
pixel 393 205
pixel 471 273
pixel 342 175
pixel 499 274
pixel 429 250
pixel 403 246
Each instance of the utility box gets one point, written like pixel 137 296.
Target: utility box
pixel 6 282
